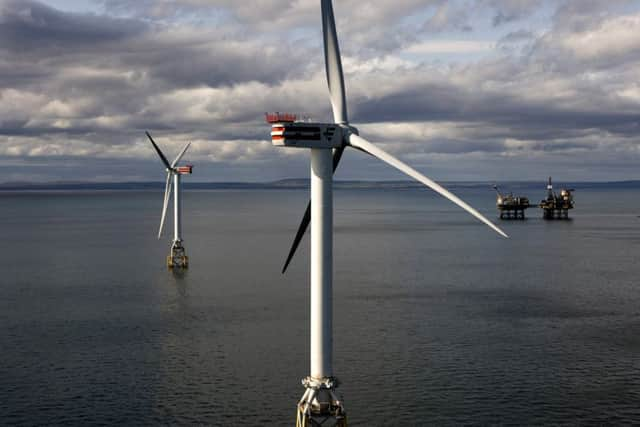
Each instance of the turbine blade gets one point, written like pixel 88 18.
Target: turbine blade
pixel 362 143
pixel 306 219
pixel 184 150
pixel 302 228
pixel 162 157
pixel 333 64
pixel 167 196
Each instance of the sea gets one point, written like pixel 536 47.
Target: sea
pixel 437 319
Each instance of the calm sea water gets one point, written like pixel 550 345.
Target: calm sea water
pixel 437 319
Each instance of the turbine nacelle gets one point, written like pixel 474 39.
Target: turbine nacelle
pixel 181 170
pixel 307 135
pixel 184 170
pixel 311 135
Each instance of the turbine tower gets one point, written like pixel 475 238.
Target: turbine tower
pixel 177 258
pixel 320 404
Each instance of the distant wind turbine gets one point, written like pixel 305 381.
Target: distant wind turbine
pixel 327 141
pixel 177 257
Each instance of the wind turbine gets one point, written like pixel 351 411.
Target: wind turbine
pixel 327 141
pixel 177 258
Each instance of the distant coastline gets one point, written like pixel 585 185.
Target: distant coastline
pixel 296 184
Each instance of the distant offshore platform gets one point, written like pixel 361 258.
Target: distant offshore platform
pixel 510 206
pixel 555 206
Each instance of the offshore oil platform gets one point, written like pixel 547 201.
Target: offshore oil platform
pixel 557 206
pixel 509 206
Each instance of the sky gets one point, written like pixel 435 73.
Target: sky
pixel 462 90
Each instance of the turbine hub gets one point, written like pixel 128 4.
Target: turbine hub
pixel 348 130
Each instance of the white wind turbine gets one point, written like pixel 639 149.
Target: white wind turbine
pixel 177 258
pixel 327 142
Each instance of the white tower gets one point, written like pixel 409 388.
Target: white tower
pixel 320 404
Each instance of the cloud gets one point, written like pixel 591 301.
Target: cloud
pixel 506 11
pixel 81 88
pixel 606 44
pixel 29 25
pixel 449 46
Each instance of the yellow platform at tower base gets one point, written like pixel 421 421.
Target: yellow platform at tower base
pixel 178 257
pixel 182 262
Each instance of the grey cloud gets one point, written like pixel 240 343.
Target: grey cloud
pixel 87 74
pixel 456 146
pixel 29 25
pixel 15 73
pixel 507 11
pixel 581 15
pixel 447 102
pixel 465 15
pixel 33 32
pixel 369 28
pixel 213 64
pixel 517 36
pixel 448 17
pixel 88 93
